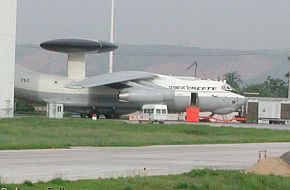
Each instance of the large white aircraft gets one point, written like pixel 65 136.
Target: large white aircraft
pixel 117 93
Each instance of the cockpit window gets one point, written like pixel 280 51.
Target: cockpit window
pixel 228 88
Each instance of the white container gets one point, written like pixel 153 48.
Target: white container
pixel 269 109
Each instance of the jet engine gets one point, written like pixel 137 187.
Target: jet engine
pixel 146 95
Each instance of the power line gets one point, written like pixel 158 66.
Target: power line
pixel 182 54
pixel 29 46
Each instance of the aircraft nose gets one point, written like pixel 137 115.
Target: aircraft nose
pixel 242 100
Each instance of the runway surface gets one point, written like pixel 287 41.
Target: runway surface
pixel 92 163
pixel 249 125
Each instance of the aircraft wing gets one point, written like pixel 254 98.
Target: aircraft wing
pixel 111 79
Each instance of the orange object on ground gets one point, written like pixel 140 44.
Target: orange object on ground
pixel 215 119
pixel 192 114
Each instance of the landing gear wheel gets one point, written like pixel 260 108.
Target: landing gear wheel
pixel 107 116
pixel 90 115
pixel 112 115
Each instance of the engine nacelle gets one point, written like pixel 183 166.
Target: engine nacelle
pixel 148 95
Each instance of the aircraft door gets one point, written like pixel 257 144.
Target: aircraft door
pixel 194 99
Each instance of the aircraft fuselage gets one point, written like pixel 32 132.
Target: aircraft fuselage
pixel 211 96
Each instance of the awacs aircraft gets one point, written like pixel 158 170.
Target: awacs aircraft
pixel 117 93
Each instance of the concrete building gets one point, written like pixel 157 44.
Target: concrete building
pixel 8 10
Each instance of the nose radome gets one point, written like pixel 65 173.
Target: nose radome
pixel 242 100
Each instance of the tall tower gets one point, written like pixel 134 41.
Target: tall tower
pixel 8 10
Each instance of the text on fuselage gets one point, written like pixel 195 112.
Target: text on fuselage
pixel 24 80
pixel 201 88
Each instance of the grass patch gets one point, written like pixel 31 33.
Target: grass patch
pixel 194 180
pixel 34 133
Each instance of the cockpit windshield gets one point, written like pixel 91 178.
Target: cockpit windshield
pixel 227 87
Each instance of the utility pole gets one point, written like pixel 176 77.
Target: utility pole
pixel 195 68
pixel 112 36
pixel 289 79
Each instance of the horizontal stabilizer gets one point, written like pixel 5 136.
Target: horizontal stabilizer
pixel 111 78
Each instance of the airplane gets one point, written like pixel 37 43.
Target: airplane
pixel 117 93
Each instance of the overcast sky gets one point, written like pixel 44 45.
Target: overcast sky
pixel 230 24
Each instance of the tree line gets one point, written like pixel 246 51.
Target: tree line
pixel 271 87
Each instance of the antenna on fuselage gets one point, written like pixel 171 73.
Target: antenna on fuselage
pixel 76 49
pixel 189 67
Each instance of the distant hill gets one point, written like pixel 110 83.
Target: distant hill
pixel 174 60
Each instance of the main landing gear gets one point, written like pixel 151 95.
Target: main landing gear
pixel 109 115
pixel 112 115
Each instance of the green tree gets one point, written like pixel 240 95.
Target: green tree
pixel 233 78
pixel 23 106
pixel 269 88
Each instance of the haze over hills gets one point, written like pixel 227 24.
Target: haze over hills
pixel 174 60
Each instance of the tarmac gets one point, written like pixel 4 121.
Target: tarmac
pixel 76 163
pixel 248 125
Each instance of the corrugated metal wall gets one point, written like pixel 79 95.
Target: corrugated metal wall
pixel 285 111
pixel 252 115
